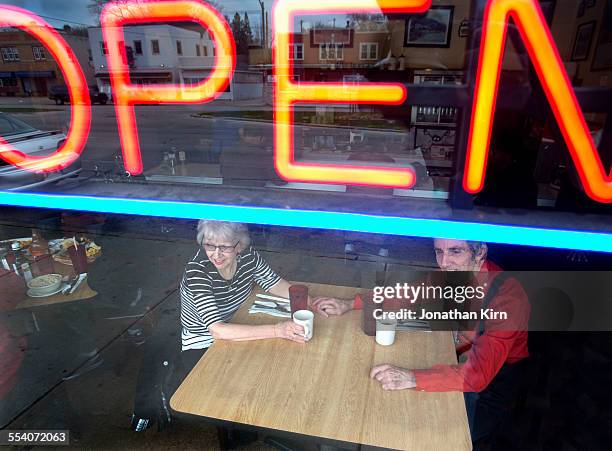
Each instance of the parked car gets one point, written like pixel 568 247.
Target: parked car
pixel 30 141
pixel 60 95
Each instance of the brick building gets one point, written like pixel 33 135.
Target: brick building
pixel 27 67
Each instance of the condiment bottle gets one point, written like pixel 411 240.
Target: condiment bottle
pixel 40 251
pixel 3 258
pixel 21 265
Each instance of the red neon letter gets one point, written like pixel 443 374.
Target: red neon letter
pixel 126 95
pixel 11 16
pixel 544 55
pixel 287 93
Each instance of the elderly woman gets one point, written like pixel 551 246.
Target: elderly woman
pixel 217 280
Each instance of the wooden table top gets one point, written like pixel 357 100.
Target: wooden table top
pixel 323 389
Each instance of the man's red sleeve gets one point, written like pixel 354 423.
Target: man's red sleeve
pixel 502 341
pixel 485 359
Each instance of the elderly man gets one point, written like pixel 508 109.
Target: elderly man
pixel 490 353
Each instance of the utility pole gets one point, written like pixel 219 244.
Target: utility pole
pixel 264 38
pixel 267 30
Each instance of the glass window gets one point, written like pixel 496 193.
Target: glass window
pixel 108 359
pixel 10 54
pixel 296 52
pixel 331 51
pixel 9 81
pixel 39 53
pixel 363 54
pixel 373 51
pixel 323 52
pixel 368 51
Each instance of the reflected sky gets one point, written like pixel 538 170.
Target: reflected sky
pixel 75 12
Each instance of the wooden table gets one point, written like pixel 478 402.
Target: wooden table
pixel 84 291
pixel 323 388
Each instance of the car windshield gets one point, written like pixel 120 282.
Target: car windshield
pixel 12 126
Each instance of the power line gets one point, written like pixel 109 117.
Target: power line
pixel 66 20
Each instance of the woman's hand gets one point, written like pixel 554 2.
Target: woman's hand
pixel 393 377
pixel 331 306
pixel 289 331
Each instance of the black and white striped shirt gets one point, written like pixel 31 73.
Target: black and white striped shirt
pixel 207 298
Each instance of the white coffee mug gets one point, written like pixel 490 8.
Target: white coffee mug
pixel 385 331
pixel 305 318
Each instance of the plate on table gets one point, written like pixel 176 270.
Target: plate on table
pixel 36 295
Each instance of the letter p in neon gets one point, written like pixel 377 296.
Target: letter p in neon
pixel 126 95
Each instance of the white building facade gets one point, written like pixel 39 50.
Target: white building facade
pixel 159 54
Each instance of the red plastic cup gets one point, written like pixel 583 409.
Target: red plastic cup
pixel 78 256
pixel 44 265
pixel 298 298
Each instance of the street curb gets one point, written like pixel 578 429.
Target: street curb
pixel 229 118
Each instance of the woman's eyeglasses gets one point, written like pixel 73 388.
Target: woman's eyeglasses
pixel 223 249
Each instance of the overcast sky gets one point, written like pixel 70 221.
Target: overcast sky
pixel 75 12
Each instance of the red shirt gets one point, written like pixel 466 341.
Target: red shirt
pixel 503 341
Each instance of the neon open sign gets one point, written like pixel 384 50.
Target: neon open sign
pixel 526 14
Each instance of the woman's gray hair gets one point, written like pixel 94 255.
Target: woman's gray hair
pixel 230 231
pixel 476 247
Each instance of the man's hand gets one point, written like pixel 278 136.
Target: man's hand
pixel 393 378
pixel 331 306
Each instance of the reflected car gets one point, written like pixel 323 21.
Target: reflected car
pixel 60 95
pixel 31 141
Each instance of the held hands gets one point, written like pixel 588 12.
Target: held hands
pixel 289 331
pixel 331 306
pixel 393 378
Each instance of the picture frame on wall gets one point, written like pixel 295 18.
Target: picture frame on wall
pixel 602 58
pixel 432 29
pixel 583 40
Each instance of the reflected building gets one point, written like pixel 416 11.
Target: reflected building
pixel 27 67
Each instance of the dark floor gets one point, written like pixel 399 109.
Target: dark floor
pixel 137 278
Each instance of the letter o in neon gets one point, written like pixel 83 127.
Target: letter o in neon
pixel 11 16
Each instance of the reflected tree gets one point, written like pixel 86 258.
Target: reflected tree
pixel 95 7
